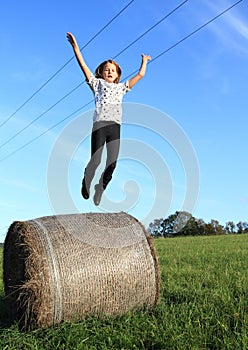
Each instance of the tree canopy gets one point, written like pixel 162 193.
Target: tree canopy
pixel 182 223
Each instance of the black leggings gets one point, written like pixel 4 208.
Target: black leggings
pixel 109 133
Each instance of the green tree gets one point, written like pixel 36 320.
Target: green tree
pixel 168 225
pixel 175 224
pixel 191 228
pixel 230 227
pixel 218 229
pixel 182 223
pixel 242 227
pixel 155 228
pixel 201 226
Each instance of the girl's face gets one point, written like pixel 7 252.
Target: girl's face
pixel 109 72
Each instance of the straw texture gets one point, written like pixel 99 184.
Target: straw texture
pixel 66 266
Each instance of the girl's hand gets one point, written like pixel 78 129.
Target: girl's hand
pixel 71 38
pixel 146 57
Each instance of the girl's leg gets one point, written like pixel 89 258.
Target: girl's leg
pixel 113 146
pixel 98 138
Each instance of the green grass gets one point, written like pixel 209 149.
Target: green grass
pixel 203 305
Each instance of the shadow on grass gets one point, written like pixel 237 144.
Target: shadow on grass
pixel 5 321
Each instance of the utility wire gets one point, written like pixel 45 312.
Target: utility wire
pixel 197 30
pixel 188 36
pixel 71 91
pixel 67 62
pixel 45 132
pixel 155 58
pixel 41 115
pixel 151 28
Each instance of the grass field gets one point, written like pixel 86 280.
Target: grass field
pixel 203 305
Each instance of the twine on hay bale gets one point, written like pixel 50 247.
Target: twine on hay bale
pixel 60 268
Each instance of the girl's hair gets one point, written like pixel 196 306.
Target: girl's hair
pixel 99 70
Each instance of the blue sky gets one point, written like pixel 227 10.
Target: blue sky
pixel 184 134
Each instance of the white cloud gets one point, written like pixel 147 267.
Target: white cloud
pixel 231 28
pixel 238 24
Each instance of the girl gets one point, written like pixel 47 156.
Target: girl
pixel 108 93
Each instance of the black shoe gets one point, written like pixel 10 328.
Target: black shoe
pixel 84 191
pixel 98 194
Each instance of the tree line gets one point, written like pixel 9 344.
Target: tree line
pixel 182 223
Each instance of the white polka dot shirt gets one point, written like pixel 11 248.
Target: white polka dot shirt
pixel 108 99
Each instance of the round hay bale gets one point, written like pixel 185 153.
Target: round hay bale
pixel 61 268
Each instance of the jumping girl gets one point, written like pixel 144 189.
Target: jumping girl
pixel 108 93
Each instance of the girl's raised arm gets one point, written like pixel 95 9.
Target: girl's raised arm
pixel 142 71
pixel 79 57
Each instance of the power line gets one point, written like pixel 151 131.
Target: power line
pixel 71 91
pixel 155 58
pixel 45 132
pixel 66 63
pixel 41 115
pixel 189 35
pixel 197 30
pixel 151 28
